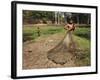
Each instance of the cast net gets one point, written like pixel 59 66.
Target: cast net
pixel 64 51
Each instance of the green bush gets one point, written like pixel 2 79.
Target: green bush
pixel 29 36
pixel 83 32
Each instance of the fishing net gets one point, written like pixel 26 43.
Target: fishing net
pixel 64 51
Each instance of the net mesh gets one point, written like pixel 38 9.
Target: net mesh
pixel 64 51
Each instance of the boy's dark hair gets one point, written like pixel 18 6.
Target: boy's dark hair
pixel 70 19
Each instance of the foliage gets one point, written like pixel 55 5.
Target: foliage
pixel 83 32
pixel 57 17
pixel 35 16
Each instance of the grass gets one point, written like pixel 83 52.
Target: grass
pixel 82 36
pixel 83 58
pixel 83 42
pixel 31 33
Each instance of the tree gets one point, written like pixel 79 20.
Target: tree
pixel 33 17
pixel 36 16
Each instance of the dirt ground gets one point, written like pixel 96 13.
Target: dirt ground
pixel 35 53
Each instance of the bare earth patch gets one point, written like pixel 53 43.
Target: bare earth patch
pixel 35 53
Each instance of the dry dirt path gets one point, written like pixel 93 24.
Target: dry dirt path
pixel 35 53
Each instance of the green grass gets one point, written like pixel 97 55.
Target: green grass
pixel 82 42
pixel 31 33
pixel 82 36
pixel 83 58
